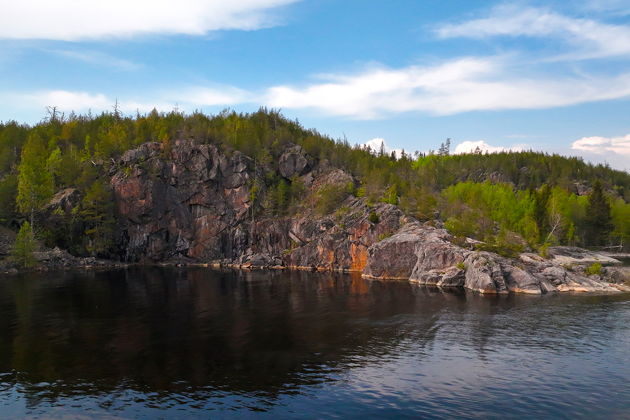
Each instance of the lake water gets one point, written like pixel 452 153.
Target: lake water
pixel 196 343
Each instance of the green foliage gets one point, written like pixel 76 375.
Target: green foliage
pixel 482 210
pixel 620 212
pixel 420 203
pixel 96 213
pixel 536 199
pixel 461 266
pixel 391 195
pixel 598 217
pixel 593 269
pixel 8 193
pixel 505 243
pixel 373 217
pixel 384 236
pixel 341 212
pixel 24 247
pixel 543 250
pixel 330 197
pixel 542 217
pixel 35 183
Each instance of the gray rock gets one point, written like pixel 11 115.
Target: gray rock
pixel 573 255
pixel 293 162
pixel 428 253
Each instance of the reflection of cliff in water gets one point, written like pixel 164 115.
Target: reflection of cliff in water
pixel 196 330
pixel 160 329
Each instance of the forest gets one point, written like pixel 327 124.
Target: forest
pixel 510 201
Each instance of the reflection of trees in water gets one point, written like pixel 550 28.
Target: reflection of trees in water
pixel 193 331
pixel 187 330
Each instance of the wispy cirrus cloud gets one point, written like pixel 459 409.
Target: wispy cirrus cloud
pixel 461 85
pixel 71 20
pixel 185 99
pixel 589 38
pixel 98 58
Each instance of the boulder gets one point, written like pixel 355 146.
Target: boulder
pixel 63 201
pixel 293 162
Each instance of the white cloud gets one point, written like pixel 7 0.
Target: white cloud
pixel 472 146
pixel 98 58
pixel 616 7
pixel 614 151
pixel 186 99
pixel 376 143
pixel 467 84
pixel 72 20
pixel 63 100
pixel 216 96
pixel 591 38
pixel 604 145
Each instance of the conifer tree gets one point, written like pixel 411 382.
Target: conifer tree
pixel 24 247
pixel 97 213
pixel 35 183
pixel 598 216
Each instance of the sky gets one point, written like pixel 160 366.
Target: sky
pixel 543 75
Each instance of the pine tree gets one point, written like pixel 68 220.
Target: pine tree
pixel 541 215
pixel 598 216
pixel 97 214
pixel 24 247
pixel 35 183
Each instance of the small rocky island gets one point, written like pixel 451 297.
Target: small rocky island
pixel 192 203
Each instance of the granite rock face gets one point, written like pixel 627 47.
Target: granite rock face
pixel 193 203
pixel 426 255
pixel 293 162
pixel 187 204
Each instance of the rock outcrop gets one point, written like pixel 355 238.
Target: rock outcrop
pixel 7 238
pixel 193 203
pixel 294 162
pixel 567 255
pixel 426 255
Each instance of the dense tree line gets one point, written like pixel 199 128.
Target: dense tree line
pixel 517 196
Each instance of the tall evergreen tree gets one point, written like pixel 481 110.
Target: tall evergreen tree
pixel 598 216
pixel 97 212
pixel 35 183
pixel 541 199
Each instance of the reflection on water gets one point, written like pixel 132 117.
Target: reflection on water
pixel 172 343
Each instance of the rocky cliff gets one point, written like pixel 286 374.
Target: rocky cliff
pixel 195 203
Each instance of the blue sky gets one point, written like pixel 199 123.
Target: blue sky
pixel 546 75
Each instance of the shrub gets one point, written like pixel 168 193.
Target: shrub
pixel 24 247
pixel 330 197
pixel 383 236
pixel 543 250
pixel 460 265
pixel 594 269
pixel 373 217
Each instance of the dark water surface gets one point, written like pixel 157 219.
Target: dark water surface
pixel 195 343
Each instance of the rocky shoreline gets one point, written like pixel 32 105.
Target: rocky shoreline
pixel 194 206
pixel 427 259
